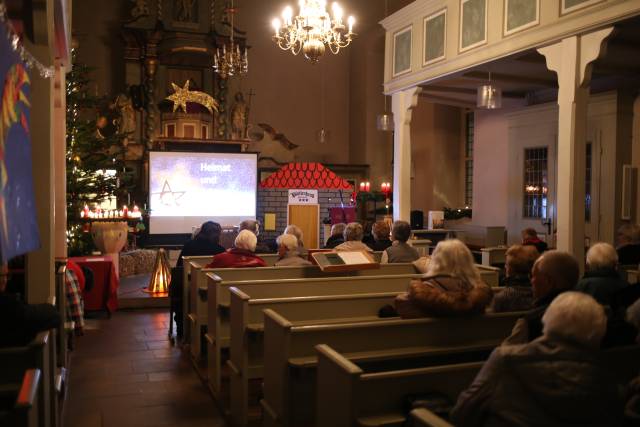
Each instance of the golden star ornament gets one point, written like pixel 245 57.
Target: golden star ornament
pixel 182 95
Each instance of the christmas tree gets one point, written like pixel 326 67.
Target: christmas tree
pixel 96 170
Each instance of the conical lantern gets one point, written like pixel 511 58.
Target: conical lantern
pixel 161 276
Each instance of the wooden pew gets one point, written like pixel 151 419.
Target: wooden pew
pixel 329 303
pixel 422 417
pixel 188 263
pixel 347 395
pixel 14 361
pixel 218 335
pixel 199 278
pixel 290 358
pixel 24 412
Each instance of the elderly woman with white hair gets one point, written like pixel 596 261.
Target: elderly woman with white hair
pixel 601 280
pixel 353 234
pixel 451 286
pixel 288 251
pixel 554 380
pixel 241 255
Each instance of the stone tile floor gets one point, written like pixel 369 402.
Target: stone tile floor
pixel 125 372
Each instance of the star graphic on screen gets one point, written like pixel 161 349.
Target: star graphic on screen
pixel 168 197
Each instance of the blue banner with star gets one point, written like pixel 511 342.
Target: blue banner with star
pixel 18 223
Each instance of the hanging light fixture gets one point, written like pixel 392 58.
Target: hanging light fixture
pixel 489 96
pixel 384 121
pixel 313 30
pixel 231 62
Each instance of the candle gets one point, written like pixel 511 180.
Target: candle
pixel 81 214
pixel 351 21
pixel 276 26
pixel 362 186
pixel 125 211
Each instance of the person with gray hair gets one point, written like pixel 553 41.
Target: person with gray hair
pixel 400 250
pixel 353 234
pixel 297 232
pixel 254 226
pixel 288 251
pixel 336 238
pixel 241 255
pixel 451 286
pixel 553 273
pixel 628 248
pixel 554 380
pixel 602 280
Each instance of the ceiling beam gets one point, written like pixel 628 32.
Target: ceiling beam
pixel 447 101
pixel 510 78
pixel 467 91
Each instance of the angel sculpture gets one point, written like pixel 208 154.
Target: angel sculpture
pixel 280 137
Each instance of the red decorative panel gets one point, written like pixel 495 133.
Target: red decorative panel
pixel 305 175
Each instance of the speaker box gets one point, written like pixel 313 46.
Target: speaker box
pixel 417 220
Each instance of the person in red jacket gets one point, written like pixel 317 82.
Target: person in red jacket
pixel 241 255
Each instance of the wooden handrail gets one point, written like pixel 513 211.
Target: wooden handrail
pixel 28 389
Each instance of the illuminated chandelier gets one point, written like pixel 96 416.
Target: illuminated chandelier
pixel 313 30
pixel 231 62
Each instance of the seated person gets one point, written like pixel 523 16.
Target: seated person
pixel 288 251
pixel 297 232
pixel 517 294
pixel 553 273
pixel 555 380
pixel 380 232
pixel 74 279
pixel 242 255
pixel 530 237
pixel 353 234
pixel 628 248
pixel 20 322
pixel 601 280
pixel 254 226
pixel 367 236
pixel 336 238
pixel 400 250
pixel 451 286
pixel 205 242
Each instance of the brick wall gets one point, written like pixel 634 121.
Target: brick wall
pixel 275 201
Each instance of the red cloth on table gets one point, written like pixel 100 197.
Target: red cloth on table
pixel 73 266
pixel 104 294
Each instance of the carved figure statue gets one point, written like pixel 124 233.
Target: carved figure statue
pixel 239 118
pixel 140 9
pixel 126 121
pixel 184 9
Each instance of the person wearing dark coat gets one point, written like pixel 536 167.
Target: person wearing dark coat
pixel 336 237
pixel 380 232
pixel 20 322
pixel 555 380
pixel 206 242
pixel 553 273
pixel 517 294
pixel 628 244
pixel 400 250
pixel 530 237
pixel 602 280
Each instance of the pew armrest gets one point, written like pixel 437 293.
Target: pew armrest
pixel 28 389
pixel 423 417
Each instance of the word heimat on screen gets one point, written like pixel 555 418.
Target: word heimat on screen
pixel 213 167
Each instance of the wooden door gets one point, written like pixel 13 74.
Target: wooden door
pixel 307 217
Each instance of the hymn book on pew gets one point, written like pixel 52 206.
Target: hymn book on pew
pixel 344 261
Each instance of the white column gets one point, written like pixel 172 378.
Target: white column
pixel 572 59
pixel 402 103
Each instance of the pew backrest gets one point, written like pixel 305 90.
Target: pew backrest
pixel 348 396
pixel 423 417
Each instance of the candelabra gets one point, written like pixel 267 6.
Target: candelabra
pixel 233 61
pixel 313 30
